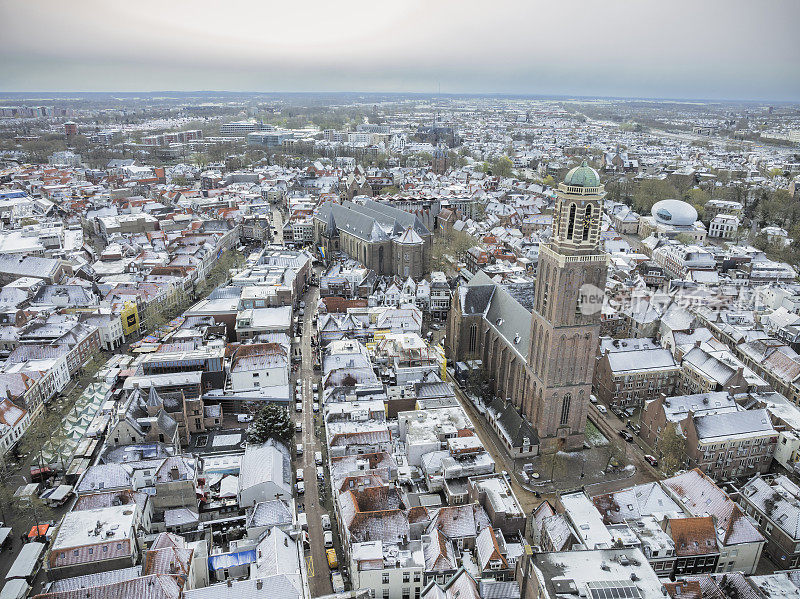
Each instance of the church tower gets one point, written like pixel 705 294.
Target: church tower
pixel 570 284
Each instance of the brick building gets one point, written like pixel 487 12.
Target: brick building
pixel 385 239
pixel 632 371
pixel 544 362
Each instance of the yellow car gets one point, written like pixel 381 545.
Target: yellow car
pixel 333 561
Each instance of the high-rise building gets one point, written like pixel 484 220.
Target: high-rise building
pixel 565 324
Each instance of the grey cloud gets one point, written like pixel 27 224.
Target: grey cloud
pixel 706 49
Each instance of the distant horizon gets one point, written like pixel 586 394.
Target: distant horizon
pixel 53 94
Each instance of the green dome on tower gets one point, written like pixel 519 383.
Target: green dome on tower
pixel 582 176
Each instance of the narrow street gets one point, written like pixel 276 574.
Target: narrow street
pixel 316 563
pixel 277 223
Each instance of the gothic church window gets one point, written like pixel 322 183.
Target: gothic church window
pixel 473 337
pixel 571 222
pixel 587 221
pixel 565 409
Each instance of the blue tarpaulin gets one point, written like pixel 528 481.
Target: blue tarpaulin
pixel 231 560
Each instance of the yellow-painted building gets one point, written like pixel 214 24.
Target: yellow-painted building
pixel 130 318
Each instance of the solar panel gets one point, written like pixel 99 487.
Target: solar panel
pixel 613 589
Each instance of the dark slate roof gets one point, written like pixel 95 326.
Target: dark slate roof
pixel 513 423
pixel 505 314
pixel 371 221
pixel 499 589
pixel 388 213
pixel 475 300
pixel 173 401
pixel 167 424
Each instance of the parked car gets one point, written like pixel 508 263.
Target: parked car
pixel 626 435
pixel 602 409
pixel 593 399
pixel 333 561
pixel 320 473
pixel 298 407
pixel 244 418
pixel 651 460
pixel 315 387
pixel 298 427
pixel 299 474
pixel 299 449
pixel 318 458
pixel 326 522
pixel 315 407
pixel 328 539
pixel 300 487
pixel 337 583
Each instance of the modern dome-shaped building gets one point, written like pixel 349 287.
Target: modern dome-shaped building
pixel 670 218
pixel 674 212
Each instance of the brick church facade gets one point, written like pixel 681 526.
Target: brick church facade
pixel 543 362
pixel 387 240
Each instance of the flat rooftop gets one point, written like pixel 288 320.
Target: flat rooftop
pixel 89 527
pixel 598 574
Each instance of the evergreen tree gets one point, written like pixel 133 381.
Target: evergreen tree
pixel 271 422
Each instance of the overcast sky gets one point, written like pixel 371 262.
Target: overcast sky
pixel 734 49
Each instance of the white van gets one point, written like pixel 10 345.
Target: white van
pixel 328 539
pixel 318 458
pixel 326 522
pixel 299 449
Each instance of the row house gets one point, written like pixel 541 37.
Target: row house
pixel 730 444
pixel 775 506
pixel 14 421
pixel 695 539
pixel 630 372
pixel 81 340
pixel 739 541
pixel 704 371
